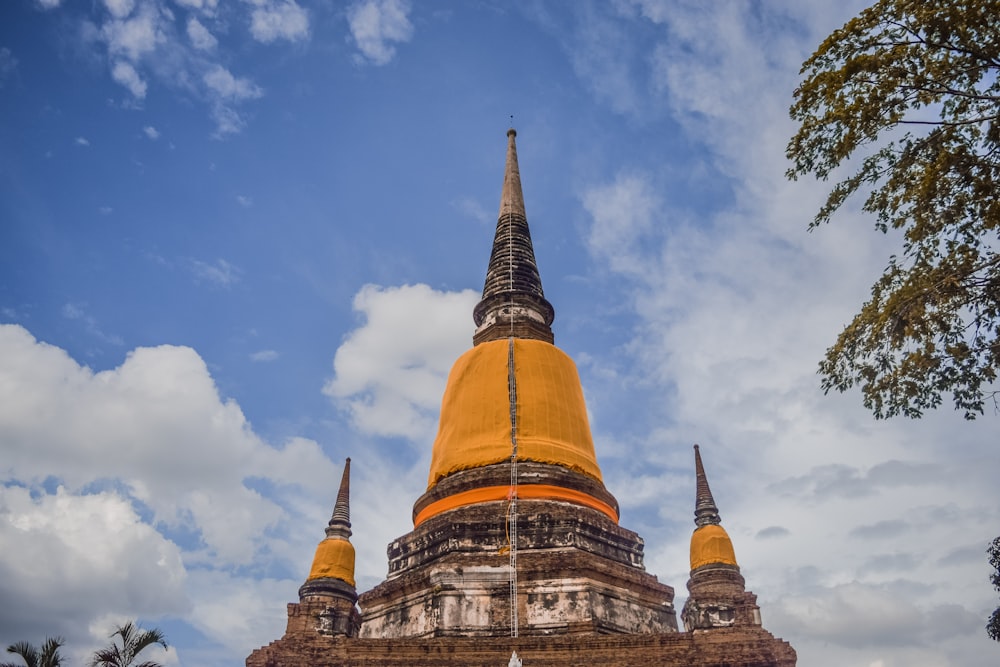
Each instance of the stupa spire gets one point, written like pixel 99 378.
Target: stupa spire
pixel 705 510
pixel 340 522
pixel 513 303
pixel 332 571
pixel 326 600
pixel 717 591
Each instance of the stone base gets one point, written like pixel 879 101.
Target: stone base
pixel 578 571
pixel 323 617
pixel 559 592
pixel 729 647
pixel 718 599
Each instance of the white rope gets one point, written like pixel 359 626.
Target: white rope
pixel 512 508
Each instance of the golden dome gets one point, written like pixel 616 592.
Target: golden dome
pixel 551 416
pixel 711 544
pixel 334 560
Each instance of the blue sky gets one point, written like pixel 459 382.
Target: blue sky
pixel 241 241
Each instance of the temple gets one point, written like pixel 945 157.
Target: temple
pixel 516 555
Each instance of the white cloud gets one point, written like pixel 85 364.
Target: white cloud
pixel 120 8
pixel 389 373
pixel 734 305
pixel 158 425
pixel 228 87
pixel 240 612
pixel 227 120
pixel 244 201
pixel 146 44
pixel 622 216
pixel 135 37
pixel 151 438
pixel 264 355
pixel 78 556
pixel 199 35
pixel 151 132
pixel 376 24
pixel 283 19
pixel 124 73
pixel 867 617
pixel 48 4
pixel 205 6
pixel 81 141
pixel 221 273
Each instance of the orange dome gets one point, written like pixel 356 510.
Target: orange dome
pixel 551 416
pixel 711 544
pixel 335 560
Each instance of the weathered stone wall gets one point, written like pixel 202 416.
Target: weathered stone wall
pixel 733 647
pixel 718 598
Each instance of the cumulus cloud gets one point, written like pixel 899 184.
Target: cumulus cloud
pixel 81 141
pixel 226 90
pixel 205 6
pixel 147 446
pixel 222 82
pixel 376 25
pixel 283 19
pixel 134 37
pixel 228 121
pixel 199 35
pixel 120 8
pixel 146 43
pixel 125 74
pixel 151 132
pixel 74 550
pixel 389 373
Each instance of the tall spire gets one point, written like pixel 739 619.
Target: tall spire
pixel 340 522
pixel 334 559
pixel 718 596
pixel 705 511
pixel 326 600
pixel 513 304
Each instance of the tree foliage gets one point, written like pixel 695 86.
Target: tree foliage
pixel 46 656
pixel 993 624
pixel 134 640
pixel 906 96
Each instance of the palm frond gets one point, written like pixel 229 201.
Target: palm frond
pixel 50 652
pixel 27 651
pixel 134 640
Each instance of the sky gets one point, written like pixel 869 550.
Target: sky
pixel 241 241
